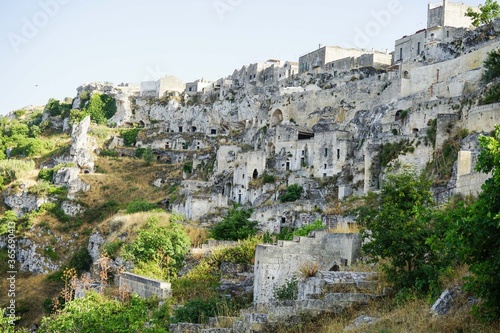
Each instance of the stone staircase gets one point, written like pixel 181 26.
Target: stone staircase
pixel 328 292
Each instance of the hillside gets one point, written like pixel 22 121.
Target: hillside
pixel 93 176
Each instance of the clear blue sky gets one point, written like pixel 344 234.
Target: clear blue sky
pixel 49 47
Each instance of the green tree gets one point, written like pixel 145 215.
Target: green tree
pixel 492 66
pixel 163 247
pixel 486 14
pixel 396 226
pixel 101 107
pixel 53 107
pixel 147 155
pixel 292 193
pixel 236 225
pixel 478 234
pixel 8 217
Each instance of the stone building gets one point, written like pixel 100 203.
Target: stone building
pixel 446 21
pixel 315 61
pixel 197 86
pixel 376 59
pixel 157 89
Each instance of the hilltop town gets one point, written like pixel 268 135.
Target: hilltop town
pixel 334 123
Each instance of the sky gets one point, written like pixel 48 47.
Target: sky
pixel 50 47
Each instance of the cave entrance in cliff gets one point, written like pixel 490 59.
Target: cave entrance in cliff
pixel 277 117
pixel 271 150
pixel 255 174
pixel 226 190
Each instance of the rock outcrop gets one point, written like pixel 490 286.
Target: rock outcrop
pixel 22 202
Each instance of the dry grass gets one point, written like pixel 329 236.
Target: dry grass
pixel 197 235
pixel 308 269
pixel 129 224
pixel 345 229
pixel 123 180
pixel 31 292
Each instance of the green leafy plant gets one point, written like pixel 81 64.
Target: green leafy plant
pixel 289 291
pixel 292 193
pixel 140 205
pixel 235 225
pixel 162 246
pixel 491 66
pixel 486 14
pixel 129 136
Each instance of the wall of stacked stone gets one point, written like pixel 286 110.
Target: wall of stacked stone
pixel 144 287
pixel 275 264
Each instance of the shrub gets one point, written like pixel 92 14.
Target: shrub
pixel 289 291
pixel 129 136
pixel 197 311
pixel 292 193
pixel 139 205
pixel 81 261
pixel 46 174
pixel 235 225
pixel 188 167
pixel 268 178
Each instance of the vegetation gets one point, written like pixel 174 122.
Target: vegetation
pixel 486 14
pixel 97 313
pixel 292 193
pixel 129 136
pixel 236 225
pixel 101 108
pixel 140 205
pixel 158 250
pixel 396 226
pixel 289 291
pixel 491 66
pixel 390 151
pixel 478 233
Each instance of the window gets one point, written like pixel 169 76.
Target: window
pixel 418 48
pixel 190 88
pixel 325 166
pixel 213 131
pixel 338 154
pixel 401 53
pixel 326 152
pixel 180 129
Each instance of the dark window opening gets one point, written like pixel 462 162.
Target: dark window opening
pixel 213 131
pixel 338 154
pixel 305 136
pixel 287 166
pixel 326 152
pixel 255 174
pixel 193 129
pixel 180 129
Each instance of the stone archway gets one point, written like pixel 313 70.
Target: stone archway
pixel 277 117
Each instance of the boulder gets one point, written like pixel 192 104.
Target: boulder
pixel 361 320
pixel 31 261
pixel 445 302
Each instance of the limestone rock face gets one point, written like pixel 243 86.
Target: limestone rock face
pixel 71 209
pixel 80 149
pixel 23 202
pixel 31 261
pixel 95 242
pixel 68 177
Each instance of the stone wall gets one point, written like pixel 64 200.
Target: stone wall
pixel 144 286
pixel 483 118
pixel 275 264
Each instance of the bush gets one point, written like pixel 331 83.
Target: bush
pixel 81 261
pixel 197 311
pixel 139 205
pixel 129 136
pixel 289 291
pixel 268 178
pixel 235 225
pixel 292 193
pixel 46 175
pixel 101 107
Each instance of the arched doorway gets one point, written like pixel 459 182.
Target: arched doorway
pixel 277 117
